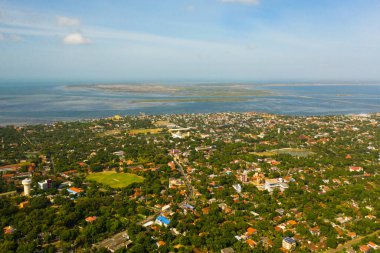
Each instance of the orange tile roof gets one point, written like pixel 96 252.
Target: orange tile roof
pixel 161 243
pixel 292 222
pixel 75 189
pixel 251 242
pixel 364 248
pixel 251 231
pixel 91 218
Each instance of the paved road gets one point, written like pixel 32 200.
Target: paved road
pixel 349 243
pixel 190 196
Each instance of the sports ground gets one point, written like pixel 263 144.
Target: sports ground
pixel 115 180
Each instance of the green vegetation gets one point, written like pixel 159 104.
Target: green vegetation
pixel 115 180
pixel 145 131
pixel 328 168
pixel 288 151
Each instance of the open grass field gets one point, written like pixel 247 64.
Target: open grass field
pixel 145 131
pixel 115 180
pixel 289 151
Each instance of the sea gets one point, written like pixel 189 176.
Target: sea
pixel 46 102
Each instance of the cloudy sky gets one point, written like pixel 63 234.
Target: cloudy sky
pixel 221 40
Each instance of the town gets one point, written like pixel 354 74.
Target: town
pixel 222 182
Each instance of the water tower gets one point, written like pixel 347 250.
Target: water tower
pixel 26 183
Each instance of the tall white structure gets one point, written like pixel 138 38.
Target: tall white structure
pixel 26 183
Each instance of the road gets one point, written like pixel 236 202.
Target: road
pixel 349 243
pixel 190 196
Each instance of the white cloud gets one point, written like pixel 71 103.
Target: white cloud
pixel 66 21
pixel 75 39
pixel 241 1
pixel 10 37
pixel 14 38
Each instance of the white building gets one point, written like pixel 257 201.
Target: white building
pixel 271 184
pixel 237 188
pixel 45 184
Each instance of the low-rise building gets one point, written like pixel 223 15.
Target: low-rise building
pixel 289 243
pixel 162 221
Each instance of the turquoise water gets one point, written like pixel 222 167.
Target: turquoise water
pixel 30 103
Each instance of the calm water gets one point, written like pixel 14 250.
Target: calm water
pixel 22 103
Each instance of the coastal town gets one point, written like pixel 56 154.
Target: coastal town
pixel 219 182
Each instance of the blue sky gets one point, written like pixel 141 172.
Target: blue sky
pixel 221 40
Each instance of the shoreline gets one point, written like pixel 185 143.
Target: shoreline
pixel 52 122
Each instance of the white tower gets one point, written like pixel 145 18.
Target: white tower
pixel 26 183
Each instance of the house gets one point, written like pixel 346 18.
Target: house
pixel 251 231
pixel 280 211
pixel 237 188
pixel 206 210
pixel 373 245
pixel 289 243
pixel 244 177
pixel 75 190
pixel 227 250
pixel 316 231
pixel 176 183
pixel 291 223
pixel 355 168
pixel 162 221
pixel 160 243
pixel 8 230
pixel 91 219
pixel 23 204
pixel 364 248
pixel 251 243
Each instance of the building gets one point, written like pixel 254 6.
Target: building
pixel 176 183
pixel 276 183
pixel 373 245
pixel 162 221
pixel 227 250
pixel 364 248
pixel 244 177
pixel 289 243
pixel 160 244
pixel 74 190
pixel 355 168
pixel 91 219
pixel 237 188
pixel 47 184
pixel 24 204
pixel 117 242
pixel 26 183
pixel 8 230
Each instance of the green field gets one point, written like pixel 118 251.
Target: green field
pixel 145 131
pixel 115 180
pixel 290 151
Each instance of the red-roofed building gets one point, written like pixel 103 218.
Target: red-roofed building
pixel 8 230
pixel 251 231
pixel 75 190
pixel 91 219
pixel 365 249
pixel 251 243
pixel 160 244
pixel 355 168
pixel 373 245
